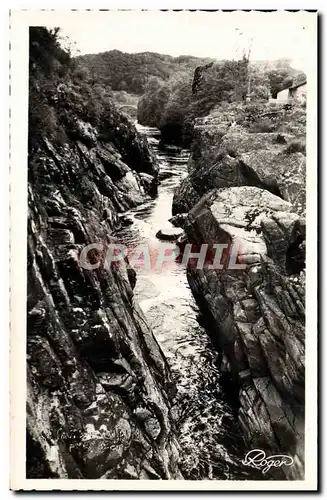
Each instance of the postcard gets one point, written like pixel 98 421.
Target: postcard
pixel 163 250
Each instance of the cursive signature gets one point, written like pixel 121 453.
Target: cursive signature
pixel 258 459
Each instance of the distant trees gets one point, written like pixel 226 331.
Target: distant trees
pixel 165 103
pixel 172 105
pixel 61 93
pixel 223 81
pixel 152 104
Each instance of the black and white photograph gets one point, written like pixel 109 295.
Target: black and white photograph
pixel 167 308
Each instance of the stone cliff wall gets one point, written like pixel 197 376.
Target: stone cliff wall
pixel 98 384
pixel 247 189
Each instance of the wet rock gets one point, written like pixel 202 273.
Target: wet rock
pixel 185 197
pixel 169 234
pixel 178 220
pixel 126 221
pixel 149 183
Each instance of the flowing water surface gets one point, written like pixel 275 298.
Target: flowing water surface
pixel 211 442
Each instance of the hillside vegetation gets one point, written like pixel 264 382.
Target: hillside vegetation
pixel 174 104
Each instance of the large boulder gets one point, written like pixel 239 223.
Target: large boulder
pixel 281 172
pixel 257 314
pixel 237 141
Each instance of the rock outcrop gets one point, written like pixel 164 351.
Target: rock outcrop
pixel 247 191
pixel 98 384
pixel 226 156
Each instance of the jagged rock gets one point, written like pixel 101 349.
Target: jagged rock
pixel 149 183
pixel 185 197
pixel 257 314
pixel 238 141
pixel 239 158
pixel 169 234
pixel 280 172
pixel 86 132
pixel 178 220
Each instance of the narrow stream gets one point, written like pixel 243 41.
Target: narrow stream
pixel 211 443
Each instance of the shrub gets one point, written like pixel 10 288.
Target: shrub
pixel 296 147
pixel 280 139
pixel 263 125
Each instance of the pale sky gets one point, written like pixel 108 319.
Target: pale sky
pixel 220 35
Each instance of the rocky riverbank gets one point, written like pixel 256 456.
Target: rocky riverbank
pixel 249 188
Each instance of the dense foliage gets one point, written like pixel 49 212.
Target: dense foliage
pixel 280 74
pixel 175 90
pixel 172 105
pixel 131 72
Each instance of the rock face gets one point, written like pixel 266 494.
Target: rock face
pixel 98 384
pixel 225 157
pixel 246 190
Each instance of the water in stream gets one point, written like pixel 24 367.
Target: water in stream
pixel 211 443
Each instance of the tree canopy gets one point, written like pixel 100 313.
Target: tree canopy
pixel 131 72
